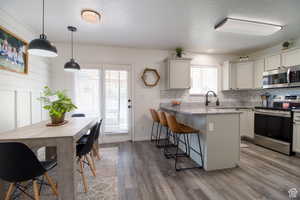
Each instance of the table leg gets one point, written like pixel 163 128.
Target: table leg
pixel 66 157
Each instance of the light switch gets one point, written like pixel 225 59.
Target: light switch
pixel 211 126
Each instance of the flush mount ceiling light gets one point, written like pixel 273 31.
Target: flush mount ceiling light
pixel 247 27
pixel 41 46
pixel 72 65
pixel 90 16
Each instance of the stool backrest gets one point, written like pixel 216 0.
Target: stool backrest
pixel 172 123
pixel 18 163
pixel 78 115
pixel 154 115
pixel 162 118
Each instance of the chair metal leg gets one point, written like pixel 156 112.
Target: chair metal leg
pixel 36 190
pixel 158 136
pixel 157 131
pixel 9 191
pixel 52 184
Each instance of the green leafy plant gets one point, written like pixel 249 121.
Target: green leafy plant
pixel 179 52
pixel 56 102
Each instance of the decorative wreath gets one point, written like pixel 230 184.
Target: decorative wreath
pixel 150 71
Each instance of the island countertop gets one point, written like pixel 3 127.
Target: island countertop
pixel 199 110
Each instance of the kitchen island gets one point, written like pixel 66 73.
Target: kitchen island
pixel 220 138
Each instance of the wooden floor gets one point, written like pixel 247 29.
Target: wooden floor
pixel 144 173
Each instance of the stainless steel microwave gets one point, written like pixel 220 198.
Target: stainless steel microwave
pixel 276 78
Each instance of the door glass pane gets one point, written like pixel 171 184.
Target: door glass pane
pixel 116 101
pixel 87 92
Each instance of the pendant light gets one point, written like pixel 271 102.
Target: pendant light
pixel 72 65
pixel 41 46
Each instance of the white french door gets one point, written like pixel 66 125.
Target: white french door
pixel 110 85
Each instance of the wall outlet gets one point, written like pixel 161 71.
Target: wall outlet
pixel 211 126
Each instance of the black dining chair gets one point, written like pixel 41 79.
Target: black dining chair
pixel 78 115
pixel 96 146
pixel 83 152
pixel 21 168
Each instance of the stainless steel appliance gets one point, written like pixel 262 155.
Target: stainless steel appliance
pixel 294 76
pixel 273 126
pixel 276 78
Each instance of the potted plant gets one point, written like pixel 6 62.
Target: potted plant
pixel 179 52
pixel 57 103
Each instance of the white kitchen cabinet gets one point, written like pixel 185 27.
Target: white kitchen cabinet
pixel 178 73
pixel 228 76
pixel 244 75
pixel 291 58
pixel 259 68
pixel 296 133
pixel 247 123
pixel 272 62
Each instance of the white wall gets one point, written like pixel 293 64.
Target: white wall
pixel 18 92
pixel 139 59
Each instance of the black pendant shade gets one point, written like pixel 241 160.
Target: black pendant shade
pixel 72 65
pixel 41 46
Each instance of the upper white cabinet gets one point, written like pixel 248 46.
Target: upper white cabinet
pixel 244 75
pixel 291 58
pixel 259 68
pixel 228 76
pixel 178 73
pixel 272 62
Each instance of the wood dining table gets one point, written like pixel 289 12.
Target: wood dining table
pixel 63 140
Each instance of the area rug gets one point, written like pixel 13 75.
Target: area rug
pixel 102 187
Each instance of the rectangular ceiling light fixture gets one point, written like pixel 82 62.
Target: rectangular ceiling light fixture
pixel 247 27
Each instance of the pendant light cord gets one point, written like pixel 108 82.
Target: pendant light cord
pixel 43 29
pixel 72 43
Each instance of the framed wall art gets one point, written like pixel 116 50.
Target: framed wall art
pixel 13 52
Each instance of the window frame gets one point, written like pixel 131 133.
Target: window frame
pixel 200 66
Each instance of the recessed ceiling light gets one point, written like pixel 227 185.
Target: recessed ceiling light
pixel 247 27
pixel 90 16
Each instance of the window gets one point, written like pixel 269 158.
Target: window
pixel 87 92
pixel 203 78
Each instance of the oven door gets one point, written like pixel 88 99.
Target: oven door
pixel 275 78
pixel 273 131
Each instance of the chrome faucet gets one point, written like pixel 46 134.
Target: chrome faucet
pixel 206 98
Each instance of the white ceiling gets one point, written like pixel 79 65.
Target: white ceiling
pixel 161 24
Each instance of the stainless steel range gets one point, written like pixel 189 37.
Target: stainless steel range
pixel 273 125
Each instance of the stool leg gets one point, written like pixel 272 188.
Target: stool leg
pixel 177 149
pixel 185 143
pixel 188 143
pixel 157 131
pixel 167 144
pixel 151 139
pixel 158 138
pixel 200 150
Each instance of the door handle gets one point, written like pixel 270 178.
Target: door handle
pixel 129 106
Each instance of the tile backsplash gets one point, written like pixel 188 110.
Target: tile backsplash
pixel 234 97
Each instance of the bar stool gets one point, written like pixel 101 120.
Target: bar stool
pixel 156 122
pixel 163 124
pixel 178 131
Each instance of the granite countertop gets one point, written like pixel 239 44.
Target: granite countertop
pixel 200 110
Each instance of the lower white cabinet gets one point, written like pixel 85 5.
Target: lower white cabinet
pixel 296 133
pixel 247 123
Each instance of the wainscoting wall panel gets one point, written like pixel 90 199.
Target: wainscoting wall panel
pixel 7 110
pixel 23 108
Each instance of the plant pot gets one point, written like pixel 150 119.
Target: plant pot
pixel 57 120
pixel 179 55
